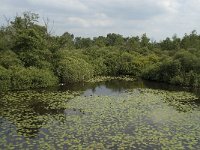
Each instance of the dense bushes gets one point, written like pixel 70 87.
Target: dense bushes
pixel 5 81
pixel 32 58
pixel 42 78
pixel 72 69
pixel 174 71
pixel 25 78
pixel 9 58
pixel 17 78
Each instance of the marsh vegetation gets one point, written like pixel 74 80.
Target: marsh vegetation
pixel 66 92
pixel 114 114
pixel 31 57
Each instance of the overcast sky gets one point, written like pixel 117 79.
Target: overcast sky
pixel 89 18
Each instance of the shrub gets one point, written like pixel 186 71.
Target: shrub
pixel 20 78
pixel 42 78
pixel 4 79
pixel 177 80
pixel 72 69
pixel 9 58
pixel 152 72
pixel 99 66
pixel 26 78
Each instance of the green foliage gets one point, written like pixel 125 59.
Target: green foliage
pixel 144 41
pixel 132 44
pixel 20 78
pixel 9 58
pixel 128 65
pixel 82 42
pixel 114 39
pixel 162 71
pixel 5 83
pixel 100 41
pixel 191 41
pixel 73 69
pixel 29 53
pixel 169 44
pixel 65 41
pixel 188 60
pixel 111 62
pixel 152 72
pixel 26 78
pixel 99 66
pixel 27 40
pixel 177 80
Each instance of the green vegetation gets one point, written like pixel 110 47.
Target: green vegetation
pixel 136 119
pixel 30 57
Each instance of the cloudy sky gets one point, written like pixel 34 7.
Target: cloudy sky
pixel 89 18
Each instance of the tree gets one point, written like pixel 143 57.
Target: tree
pixel 144 41
pixel 133 44
pixel 82 42
pixel 114 39
pixel 100 41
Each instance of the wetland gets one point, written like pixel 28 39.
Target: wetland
pixel 113 114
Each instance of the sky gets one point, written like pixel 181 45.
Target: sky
pixel 90 18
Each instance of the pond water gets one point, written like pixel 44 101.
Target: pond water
pixel 116 87
pixel 114 114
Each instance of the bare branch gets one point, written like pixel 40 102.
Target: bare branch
pixel 47 26
pixel 7 20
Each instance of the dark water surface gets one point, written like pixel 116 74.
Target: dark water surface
pixel 115 87
pixel 114 114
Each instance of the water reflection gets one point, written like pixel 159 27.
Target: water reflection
pixel 27 110
pixel 115 87
pixel 27 114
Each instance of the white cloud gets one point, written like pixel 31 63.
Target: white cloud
pixel 95 20
pixel 62 5
pixel 157 18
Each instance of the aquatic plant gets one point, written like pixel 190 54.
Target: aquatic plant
pixel 108 78
pixel 135 119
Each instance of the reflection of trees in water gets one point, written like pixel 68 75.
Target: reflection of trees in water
pixel 120 85
pixel 27 114
pixel 25 123
pixel 29 111
pixel 42 107
pixel 169 87
pixel 78 86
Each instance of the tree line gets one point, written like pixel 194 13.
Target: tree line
pixel 31 57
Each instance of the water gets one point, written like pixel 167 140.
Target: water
pixel 116 87
pixel 106 115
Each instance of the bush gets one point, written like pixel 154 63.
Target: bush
pixel 99 67
pixel 152 72
pixel 26 78
pixel 177 80
pixel 72 69
pixel 4 79
pixel 112 63
pixel 192 79
pixel 129 65
pixel 164 71
pixel 9 58
pixel 20 78
pixel 42 78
